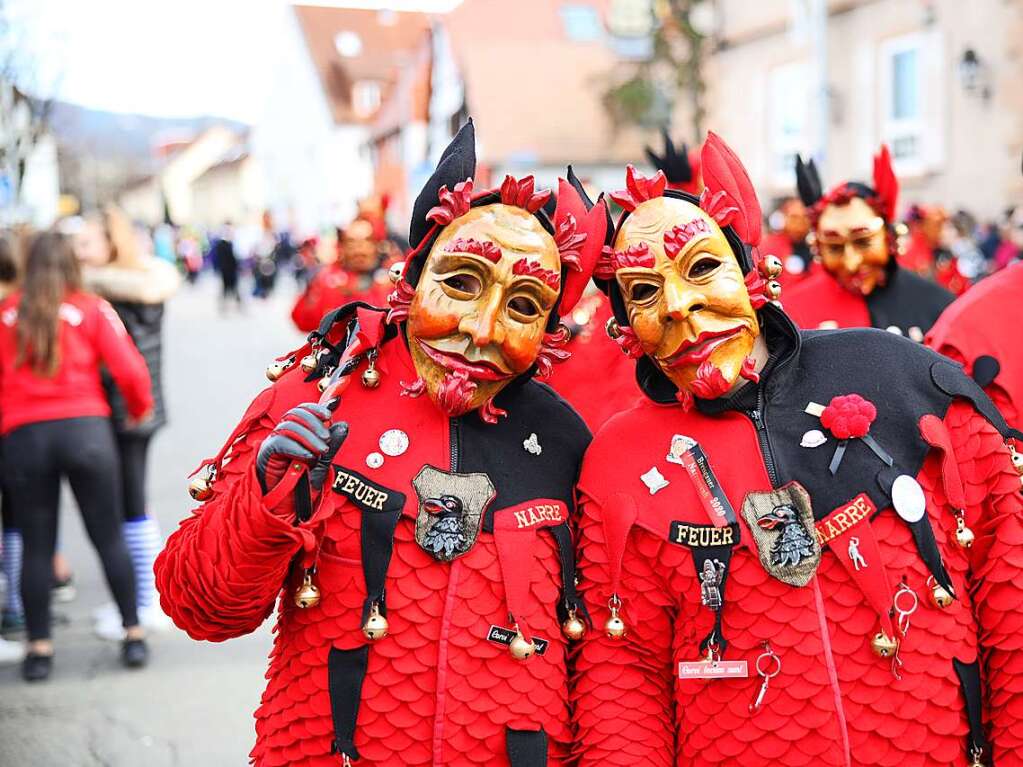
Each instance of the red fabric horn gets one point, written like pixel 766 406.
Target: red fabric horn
pixel 885 184
pixel 579 234
pixel 724 172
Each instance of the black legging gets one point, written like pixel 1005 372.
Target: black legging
pixel 133 450
pixel 36 457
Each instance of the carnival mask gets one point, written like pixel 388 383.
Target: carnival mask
pixel 685 294
pixel 481 305
pixel 852 244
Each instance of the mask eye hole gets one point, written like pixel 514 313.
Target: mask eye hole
pixel 642 292
pixel 523 309
pixel 703 267
pixel 462 285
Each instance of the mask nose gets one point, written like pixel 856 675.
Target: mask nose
pixel 851 259
pixel 485 327
pixel 680 299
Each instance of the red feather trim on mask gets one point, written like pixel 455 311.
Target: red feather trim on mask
pixel 724 172
pixel 552 351
pixel 453 203
pixel 639 188
pixel 886 186
pixel 521 195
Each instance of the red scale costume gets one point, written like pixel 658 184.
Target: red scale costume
pixel 871 612
pixel 415 643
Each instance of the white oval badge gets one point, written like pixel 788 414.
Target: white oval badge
pixel 393 442
pixel 374 460
pixel 908 498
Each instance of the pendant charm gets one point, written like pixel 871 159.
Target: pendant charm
pixel 307 595
pixel 615 626
pixel 532 445
pixel 309 362
pixel 908 498
pixel 854 553
pixel 781 522
pixel 393 442
pixel 374 460
pixel 883 645
pixel 710 583
pixel 573 627
pixel 277 368
pixel 371 376
pixel 940 596
pixel 376 625
pixel 813 438
pixel 964 535
pixel 768 667
pixel 654 480
pixel 521 649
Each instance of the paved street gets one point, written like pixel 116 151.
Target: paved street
pixel 193 705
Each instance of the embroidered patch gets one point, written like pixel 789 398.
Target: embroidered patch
pixel 364 492
pixel 703 536
pixel 781 522
pixel 501 635
pixel 451 508
pixel 843 518
pixel 542 512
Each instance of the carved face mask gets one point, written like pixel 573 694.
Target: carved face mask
pixel 853 245
pixel 481 306
pixel 685 294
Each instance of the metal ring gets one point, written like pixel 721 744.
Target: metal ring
pixel 903 590
pixel 769 654
pixel 614 602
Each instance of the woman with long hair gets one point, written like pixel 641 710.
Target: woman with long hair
pixel 116 267
pixel 55 423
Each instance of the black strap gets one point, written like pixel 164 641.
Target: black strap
pixel 303 499
pixel 720 556
pixel 345 671
pixel 527 748
pixel 570 599
pixel 969 680
pixel 377 542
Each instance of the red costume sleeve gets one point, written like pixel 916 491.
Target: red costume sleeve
pixel 994 511
pixel 222 569
pixel 622 694
pixel 118 352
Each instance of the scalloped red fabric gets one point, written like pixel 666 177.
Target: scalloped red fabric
pixel 629 706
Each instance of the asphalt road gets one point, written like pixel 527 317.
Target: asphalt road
pixel 193 705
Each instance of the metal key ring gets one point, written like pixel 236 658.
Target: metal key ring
pixel 769 655
pixel 905 590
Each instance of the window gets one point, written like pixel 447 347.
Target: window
pixel 582 25
pixel 348 44
pixel 902 90
pixel 365 98
pixel 788 119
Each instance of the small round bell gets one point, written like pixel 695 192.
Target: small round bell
pixel 309 362
pixel 323 383
pixel 307 595
pixel 774 290
pixel 276 369
pixel 771 266
pixel 520 648
pixel 883 645
pixel 1017 461
pixel 940 596
pixel 200 488
pixel 394 273
pixel 615 626
pixel 965 537
pixel 371 377
pixel 612 329
pixel 573 628
pixel 975 756
pixel 376 626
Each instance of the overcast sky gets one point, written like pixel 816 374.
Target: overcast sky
pixel 160 57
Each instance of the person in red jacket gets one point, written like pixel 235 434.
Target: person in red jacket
pixel 789 241
pixel 974 333
pixel 418 524
pixel 926 253
pixel 55 423
pixel 354 276
pixel 803 547
pixel 860 283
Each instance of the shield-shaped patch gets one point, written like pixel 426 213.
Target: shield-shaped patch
pixel 451 510
pixel 781 522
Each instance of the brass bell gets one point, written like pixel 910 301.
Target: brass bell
pixel 371 376
pixel 883 645
pixel 200 488
pixel 323 383
pixel 940 596
pixel 309 362
pixel 774 290
pixel 975 754
pixel 1017 460
pixel 376 625
pixel 307 595
pixel 964 535
pixel 394 273
pixel 771 266
pixel 520 648
pixel 277 368
pixel 612 329
pixel 573 627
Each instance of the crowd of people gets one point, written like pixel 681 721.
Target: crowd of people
pixel 440 537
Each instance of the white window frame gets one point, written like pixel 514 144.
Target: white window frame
pixel 892 128
pixel 780 143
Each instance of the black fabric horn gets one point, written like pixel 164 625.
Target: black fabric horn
pixel 808 182
pixel 457 163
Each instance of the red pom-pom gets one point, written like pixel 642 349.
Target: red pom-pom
pixel 848 416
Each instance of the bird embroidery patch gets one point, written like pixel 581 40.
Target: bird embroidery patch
pixel 781 523
pixel 451 509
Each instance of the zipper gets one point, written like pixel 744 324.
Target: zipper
pixel 453 438
pixel 759 418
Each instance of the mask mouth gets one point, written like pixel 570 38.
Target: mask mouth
pixel 479 370
pixel 698 350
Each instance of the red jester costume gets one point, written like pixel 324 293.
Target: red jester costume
pixel 803 548
pixel 860 283
pixel 415 527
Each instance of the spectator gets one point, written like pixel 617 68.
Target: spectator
pixel 226 263
pixel 55 422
